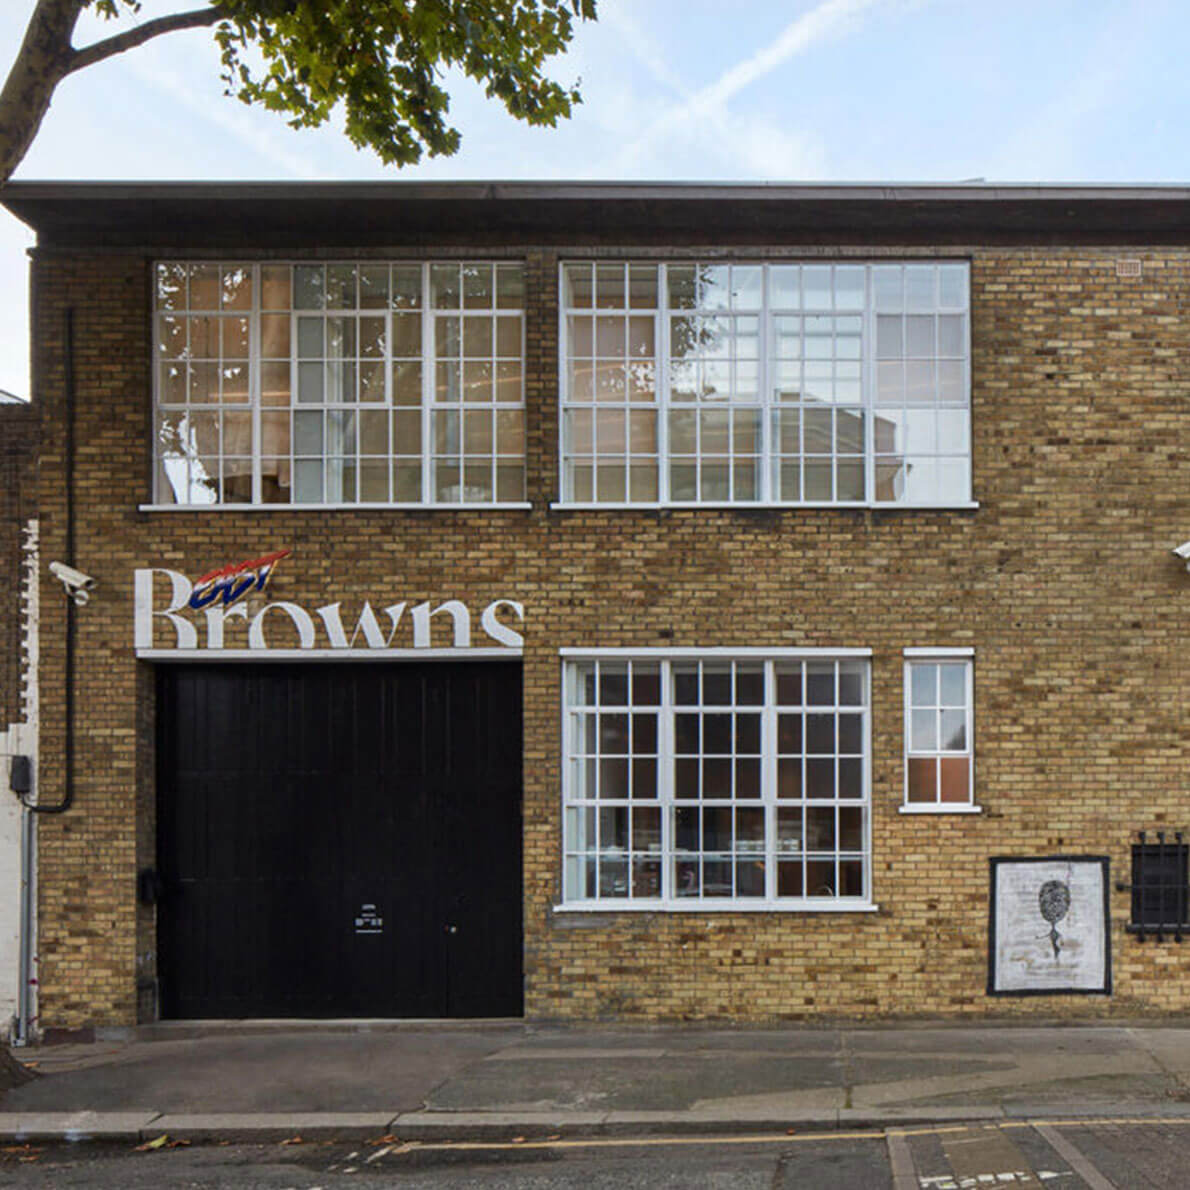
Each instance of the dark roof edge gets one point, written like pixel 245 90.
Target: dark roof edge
pixel 916 192
pixel 230 215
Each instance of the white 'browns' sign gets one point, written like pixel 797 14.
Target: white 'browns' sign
pixel 284 626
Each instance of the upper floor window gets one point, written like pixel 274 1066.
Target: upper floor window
pixel 696 383
pixel 332 384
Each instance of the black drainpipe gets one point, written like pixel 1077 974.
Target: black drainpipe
pixel 71 610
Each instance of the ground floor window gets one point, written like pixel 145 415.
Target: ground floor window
pixel 713 781
pixel 1160 897
pixel 939 730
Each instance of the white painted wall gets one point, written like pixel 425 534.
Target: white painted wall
pixel 10 885
pixel 17 739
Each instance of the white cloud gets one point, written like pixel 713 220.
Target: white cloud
pixel 227 114
pixel 829 18
pixel 642 47
pixel 1051 144
pixel 765 150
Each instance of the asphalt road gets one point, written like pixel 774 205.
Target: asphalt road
pixel 1068 1155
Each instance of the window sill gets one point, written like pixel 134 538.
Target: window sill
pixel 755 506
pixel 683 653
pixel 939 809
pixel 333 507
pixel 690 906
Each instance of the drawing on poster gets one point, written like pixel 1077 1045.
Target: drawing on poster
pixel 1054 902
pixel 1048 929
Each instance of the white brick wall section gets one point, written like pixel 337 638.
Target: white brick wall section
pixel 19 738
pixel 31 609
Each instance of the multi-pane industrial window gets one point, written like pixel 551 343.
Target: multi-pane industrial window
pixel 689 383
pixel 697 783
pixel 938 731
pixel 332 384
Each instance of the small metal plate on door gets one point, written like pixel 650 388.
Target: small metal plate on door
pixel 369 921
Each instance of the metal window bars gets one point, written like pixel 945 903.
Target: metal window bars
pixel 1160 897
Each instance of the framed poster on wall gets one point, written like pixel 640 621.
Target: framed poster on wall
pixel 1048 926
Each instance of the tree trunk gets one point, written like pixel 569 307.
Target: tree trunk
pixel 41 64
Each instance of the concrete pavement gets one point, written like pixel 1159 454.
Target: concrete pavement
pixel 500 1080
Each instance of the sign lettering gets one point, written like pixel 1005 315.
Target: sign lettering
pixel 162 598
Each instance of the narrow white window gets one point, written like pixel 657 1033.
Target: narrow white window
pixel 939 731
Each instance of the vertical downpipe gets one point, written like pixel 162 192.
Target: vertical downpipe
pixel 26 1015
pixel 29 834
pixel 71 610
pixel 24 1022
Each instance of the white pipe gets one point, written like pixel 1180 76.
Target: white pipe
pixel 25 974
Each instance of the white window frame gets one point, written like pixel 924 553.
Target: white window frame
pixel 940 656
pixel 767 405
pixel 768 801
pixel 428 407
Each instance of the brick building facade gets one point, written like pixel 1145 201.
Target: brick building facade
pixel 821 538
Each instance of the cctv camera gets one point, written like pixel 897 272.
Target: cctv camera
pixel 78 585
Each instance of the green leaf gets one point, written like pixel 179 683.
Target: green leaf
pixel 379 62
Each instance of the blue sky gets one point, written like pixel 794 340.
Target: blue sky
pixel 804 90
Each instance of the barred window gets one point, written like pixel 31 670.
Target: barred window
pixel 1160 896
pixel 339 384
pixel 716 782
pixel 815 383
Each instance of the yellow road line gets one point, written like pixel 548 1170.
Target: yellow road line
pixel 784 1138
pixel 939 1129
pixel 607 1142
pixel 1094 1121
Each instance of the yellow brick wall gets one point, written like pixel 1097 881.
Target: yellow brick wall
pixel 1062 582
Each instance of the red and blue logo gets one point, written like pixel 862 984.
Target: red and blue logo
pixel 231 583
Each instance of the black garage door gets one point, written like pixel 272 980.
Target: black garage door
pixel 339 840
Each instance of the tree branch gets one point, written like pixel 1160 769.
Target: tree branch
pixel 111 46
pixel 40 65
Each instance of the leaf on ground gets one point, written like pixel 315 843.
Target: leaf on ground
pixel 386 1139
pixel 293 1140
pixel 150 1145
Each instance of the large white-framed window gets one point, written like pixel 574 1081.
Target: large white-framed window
pixel 939 731
pixel 787 383
pixel 716 779
pixel 339 384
